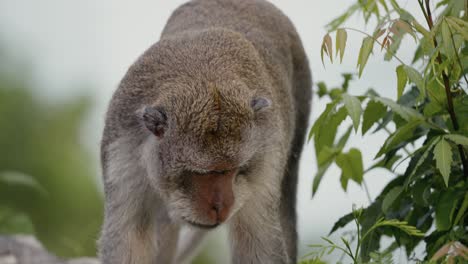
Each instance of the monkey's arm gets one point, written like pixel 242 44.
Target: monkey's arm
pixel 256 235
pixel 137 229
pixel 133 235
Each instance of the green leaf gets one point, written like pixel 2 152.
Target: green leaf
pixel 427 149
pixel 402 79
pixel 433 108
pixel 390 198
pixel 369 217
pixel 420 193
pixel 351 165
pixel 347 77
pixel 321 119
pixel 326 155
pixel 335 93
pixel 462 210
pixel 322 89
pixel 346 242
pixel 322 50
pixel 443 157
pixel 459 21
pixel 325 158
pixel 328 46
pixel 408 114
pixel 456 24
pixel 327 131
pixel 364 52
pixel 415 77
pixel 353 105
pixel 402 134
pixel 418 54
pixel 373 113
pixel 343 221
pixel 344 139
pixel 402 225
pixel 341 37
pixel 447 39
pixel 445 209
pixel 421 29
pixel 458 139
pixel 344 179
pixel 318 177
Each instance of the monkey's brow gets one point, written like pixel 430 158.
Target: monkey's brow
pixel 200 170
pixel 197 170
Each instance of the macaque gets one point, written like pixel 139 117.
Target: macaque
pixel 206 129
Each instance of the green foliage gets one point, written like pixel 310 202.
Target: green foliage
pixel 427 124
pixel 351 166
pixel 361 235
pixel 443 156
pixel 364 53
pixel 341 38
pixel 48 184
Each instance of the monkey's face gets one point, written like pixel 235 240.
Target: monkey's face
pixel 198 156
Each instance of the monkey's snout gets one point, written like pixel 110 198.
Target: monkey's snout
pixel 220 207
pixel 214 195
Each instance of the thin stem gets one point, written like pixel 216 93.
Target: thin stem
pixel 366 189
pixel 346 252
pixel 378 42
pixel 421 5
pixel 351 253
pixel 448 93
pixel 358 238
pixel 372 229
pixel 429 19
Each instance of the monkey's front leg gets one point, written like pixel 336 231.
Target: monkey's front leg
pixel 137 229
pixel 256 235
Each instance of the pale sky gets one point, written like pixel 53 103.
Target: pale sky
pixel 94 42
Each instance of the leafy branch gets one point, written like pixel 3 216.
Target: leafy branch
pixel 347 249
pixel 427 126
pixel 430 22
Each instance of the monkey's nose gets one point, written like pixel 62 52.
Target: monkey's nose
pixel 221 205
pixel 222 211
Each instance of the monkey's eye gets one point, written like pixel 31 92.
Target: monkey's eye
pixel 192 172
pixel 220 172
pixel 245 169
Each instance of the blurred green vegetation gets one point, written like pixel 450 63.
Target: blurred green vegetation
pixel 48 183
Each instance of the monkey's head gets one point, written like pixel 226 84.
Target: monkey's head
pixel 210 120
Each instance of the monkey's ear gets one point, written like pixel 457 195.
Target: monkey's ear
pixel 259 103
pixel 155 119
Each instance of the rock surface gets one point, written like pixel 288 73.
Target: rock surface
pixel 22 249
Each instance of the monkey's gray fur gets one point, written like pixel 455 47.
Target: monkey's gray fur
pixel 228 83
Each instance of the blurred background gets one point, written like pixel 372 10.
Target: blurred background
pixel 60 62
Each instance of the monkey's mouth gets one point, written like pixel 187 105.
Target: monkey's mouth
pixel 199 225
